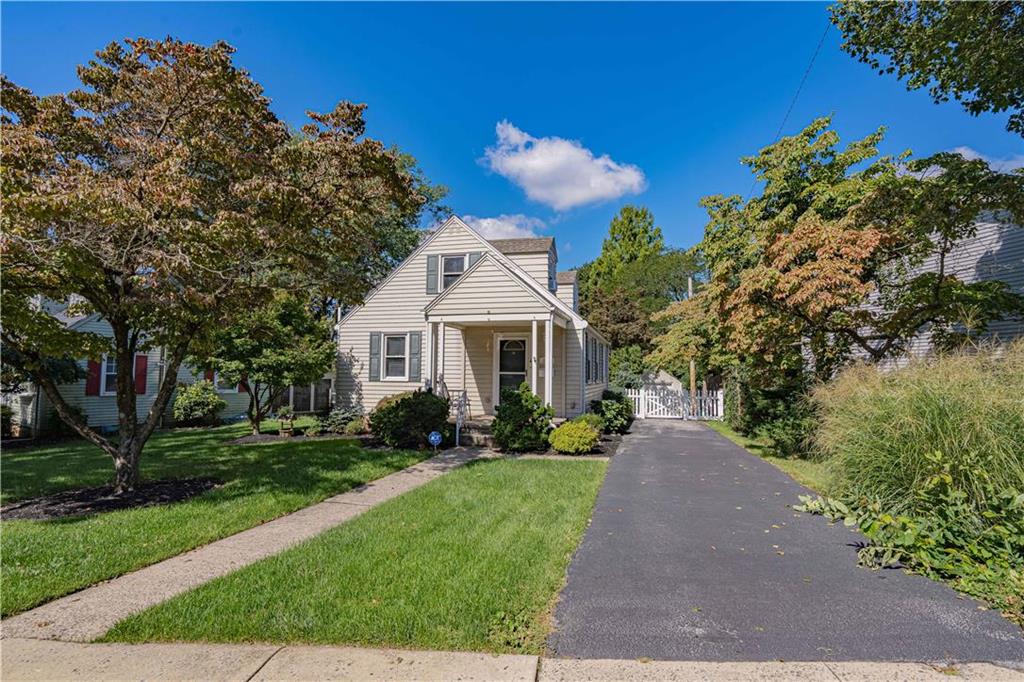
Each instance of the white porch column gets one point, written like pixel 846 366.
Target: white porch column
pixel 533 357
pixel 428 351
pixel 549 351
pixel 440 352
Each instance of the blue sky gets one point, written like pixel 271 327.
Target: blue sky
pixel 597 105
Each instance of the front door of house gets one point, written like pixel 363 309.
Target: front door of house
pixel 511 364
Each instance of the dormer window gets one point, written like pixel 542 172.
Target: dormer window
pixel 452 268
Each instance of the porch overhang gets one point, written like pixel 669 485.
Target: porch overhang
pixel 486 319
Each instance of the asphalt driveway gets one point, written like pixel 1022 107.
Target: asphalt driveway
pixel 693 553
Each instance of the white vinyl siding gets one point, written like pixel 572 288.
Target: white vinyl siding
pixel 397 305
pixel 537 265
pixel 476 294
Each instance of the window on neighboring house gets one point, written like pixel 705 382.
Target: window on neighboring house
pixel 452 268
pixel 109 376
pixel 395 357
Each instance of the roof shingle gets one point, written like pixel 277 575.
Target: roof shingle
pixel 526 245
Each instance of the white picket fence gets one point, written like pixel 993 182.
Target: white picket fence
pixel 664 402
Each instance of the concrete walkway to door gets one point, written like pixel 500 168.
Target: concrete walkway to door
pixel 694 554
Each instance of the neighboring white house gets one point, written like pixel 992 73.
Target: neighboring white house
pixel 471 316
pixel 33 412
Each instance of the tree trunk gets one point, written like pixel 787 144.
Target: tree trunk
pixel 126 467
pixel 255 424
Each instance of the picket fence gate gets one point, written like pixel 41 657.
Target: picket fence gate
pixel 665 402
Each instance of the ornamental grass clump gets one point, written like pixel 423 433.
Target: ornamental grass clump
pixel 879 430
pixel 928 462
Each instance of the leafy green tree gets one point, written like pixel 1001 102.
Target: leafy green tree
pixel 268 349
pixel 626 366
pixel 632 236
pixel 969 51
pixel 166 196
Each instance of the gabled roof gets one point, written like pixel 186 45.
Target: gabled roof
pixel 566 277
pixel 524 245
pixel 511 265
pixel 485 263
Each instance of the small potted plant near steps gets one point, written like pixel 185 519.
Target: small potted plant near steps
pixel 287 417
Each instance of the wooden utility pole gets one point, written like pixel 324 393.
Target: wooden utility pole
pixel 693 365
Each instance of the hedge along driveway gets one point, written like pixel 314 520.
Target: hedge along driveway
pixel 42 560
pixel 470 561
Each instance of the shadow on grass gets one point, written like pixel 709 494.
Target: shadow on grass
pixel 301 466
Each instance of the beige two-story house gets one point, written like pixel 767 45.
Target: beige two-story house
pixel 469 317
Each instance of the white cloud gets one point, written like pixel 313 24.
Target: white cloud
pixel 1003 165
pixel 505 226
pixel 560 173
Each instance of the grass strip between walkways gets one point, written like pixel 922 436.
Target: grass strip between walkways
pixel 471 561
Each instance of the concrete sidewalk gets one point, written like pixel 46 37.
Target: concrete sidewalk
pixel 86 615
pixel 48 660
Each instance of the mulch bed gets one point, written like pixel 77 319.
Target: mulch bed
pixel 84 501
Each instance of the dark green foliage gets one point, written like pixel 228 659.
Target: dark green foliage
pixel 592 420
pixel 198 404
pixel 574 438
pixel 970 51
pixel 626 367
pixel 615 411
pixel 6 419
pixel 405 420
pixel 521 421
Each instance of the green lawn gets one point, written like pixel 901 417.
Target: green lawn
pixel 472 561
pixel 41 560
pixel 810 473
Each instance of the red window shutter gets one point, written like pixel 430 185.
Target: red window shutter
pixel 243 382
pixel 141 367
pixel 209 375
pixel 92 380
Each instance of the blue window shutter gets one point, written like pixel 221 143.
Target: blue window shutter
pixel 374 356
pixel 474 256
pixel 414 355
pixel 432 274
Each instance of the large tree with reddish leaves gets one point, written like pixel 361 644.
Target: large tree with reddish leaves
pixel 166 196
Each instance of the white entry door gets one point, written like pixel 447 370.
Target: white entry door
pixel 510 363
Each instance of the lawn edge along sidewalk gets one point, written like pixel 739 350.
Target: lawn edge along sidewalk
pixel 46 660
pixel 86 615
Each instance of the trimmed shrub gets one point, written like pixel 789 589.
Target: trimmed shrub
pixel 198 404
pixel 522 421
pixel 592 420
pixel 574 438
pixel 405 420
pixel 355 427
pixel 615 411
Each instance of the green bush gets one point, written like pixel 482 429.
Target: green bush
pixel 592 420
pixel 574 438
pixel 790 435
pixel 405 420
pixel 521 421
pixel 615 411
pixel 927 462
pixel 198 404
pixel 355 427
pixel 337 420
